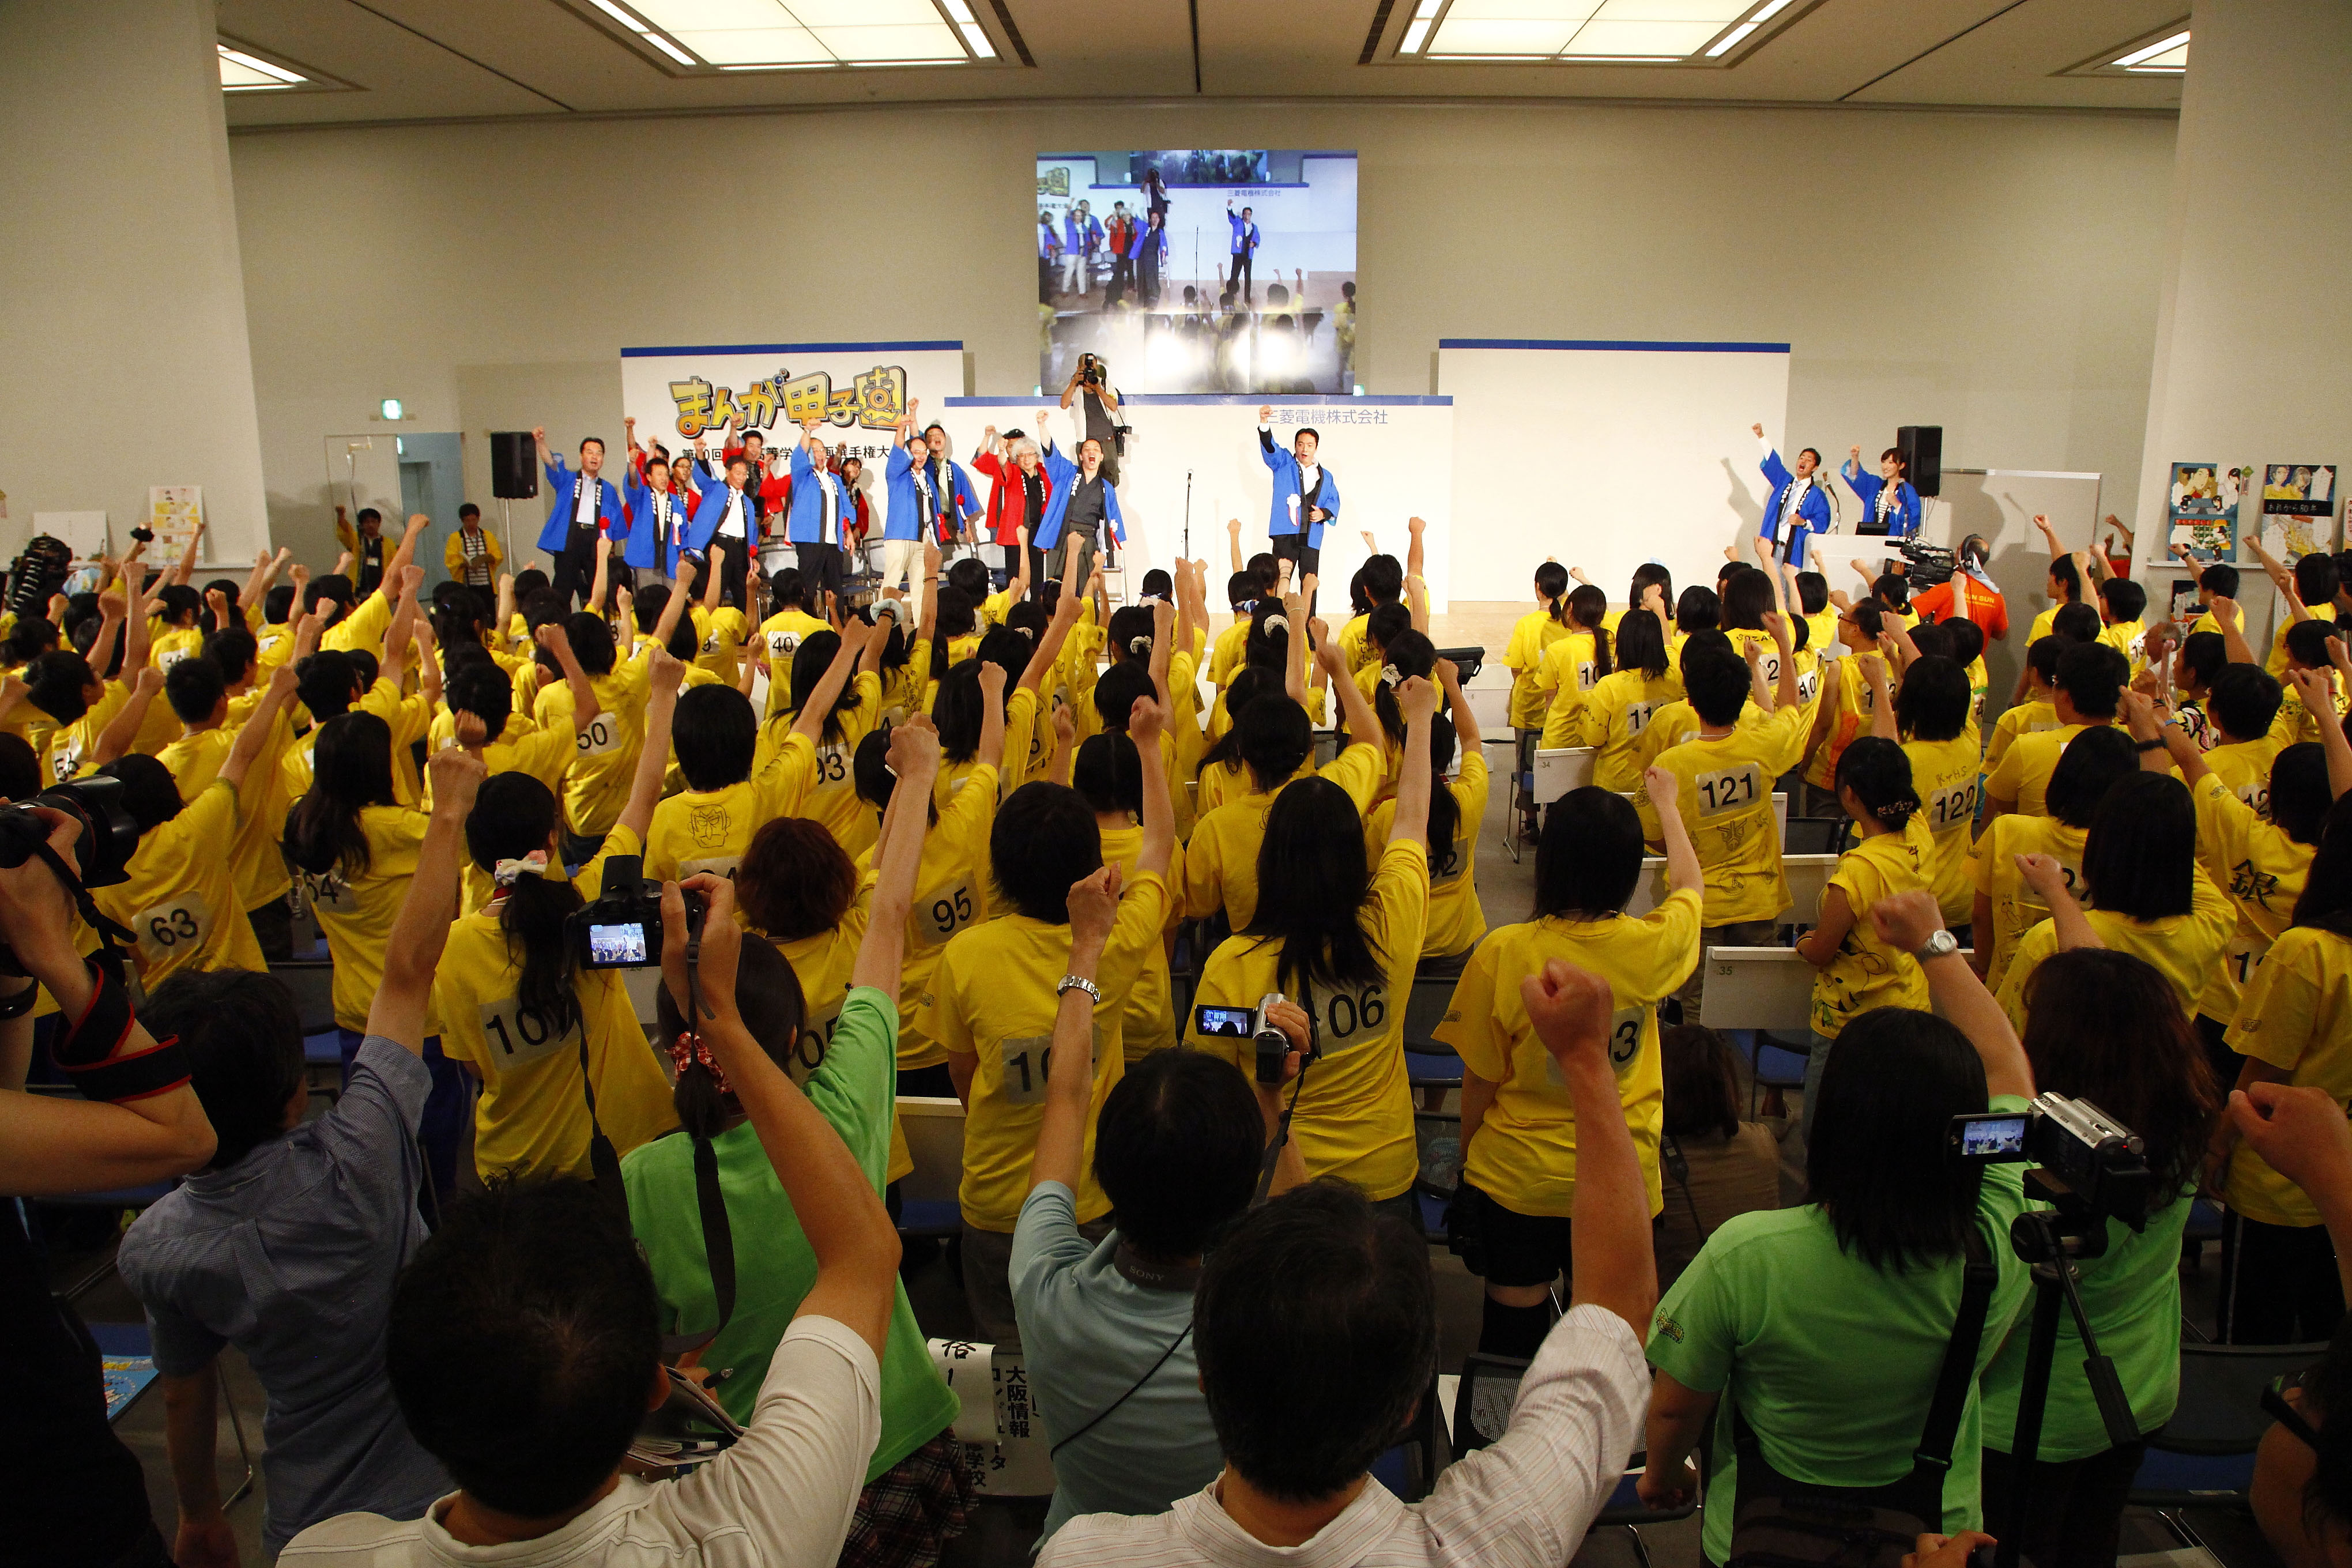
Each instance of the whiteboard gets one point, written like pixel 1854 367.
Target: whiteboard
pixel 1392 457
pixel 2000 504
pixel 1606 455
pixel 84 531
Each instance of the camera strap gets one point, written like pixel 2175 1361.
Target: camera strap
pixel 112 938
pixel 1282 1129
pixel 709 1201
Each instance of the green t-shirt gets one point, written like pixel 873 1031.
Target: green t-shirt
pixel 1833 1362
pixel 2132 1292
pixel 854 1086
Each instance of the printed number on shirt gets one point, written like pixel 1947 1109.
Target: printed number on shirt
pixel 1588 676
pixel 815 1040
pixel 1637 716
pixel 516 1034
pixel 1349 1019
pixel 165 661
pixel 1625 1045
pixel 710 643
pixel 1808 684
pixel 831 766
pixel 2257 796
pixel 783 644
pixel 943 912
pixel 327 891
pixel 66 760
pixel 601 738
pixel 2244 956
pixel 174 926
pixel 1729 789
pixel 1027 1060
pixel 1952 808
pixel 1770 664
pixel 1455 869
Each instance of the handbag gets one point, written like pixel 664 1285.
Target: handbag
pixel 1778 1521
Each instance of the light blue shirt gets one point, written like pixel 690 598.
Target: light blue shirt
pixel 1087 1334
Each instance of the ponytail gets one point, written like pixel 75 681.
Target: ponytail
pixel 1552 581
pixel 1588 607
pixel 1879 773
pixel 768 999
pixel 514 815
pixel 1444 809
pixel 350 768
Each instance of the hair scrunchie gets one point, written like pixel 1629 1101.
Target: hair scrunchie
pixel 506 873
pixel 690 1049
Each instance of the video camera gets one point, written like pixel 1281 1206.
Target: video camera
pixel 1927 564
pixel 2099 1159
pixel 1250 1024
pixel 623 929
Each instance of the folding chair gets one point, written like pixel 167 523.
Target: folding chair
pixel 2204 1456
pixel 1766 989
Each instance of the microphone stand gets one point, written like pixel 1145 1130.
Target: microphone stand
pixel 1187 514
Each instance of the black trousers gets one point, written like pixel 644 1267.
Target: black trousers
pixel 1044 279
pixel 1123 278
pixel 2279 1284
pixel 734 568
pixel 575 566
pixel 1306 560
pixel 1243 278
pixel 1148 275
pixel 2072 1507
pixel 819 565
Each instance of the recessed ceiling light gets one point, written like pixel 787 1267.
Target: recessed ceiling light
pixel 622 17
pixel 1774 9
pixel 2147 55
pixel 977 39
pixel 242 72
pixel 1730 40
pixel 389 408
pixel 1415 36
pixel 1584 32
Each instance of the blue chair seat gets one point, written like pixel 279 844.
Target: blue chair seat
pixel 1425 1070
pixel 1432 1215
pixel 323 1050
pixel 1778 1067
pixel 2204 1222
pixel 2188 1474
pixel 930 1216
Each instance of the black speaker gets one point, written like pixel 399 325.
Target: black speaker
pixel 1921 447
pixel 514 464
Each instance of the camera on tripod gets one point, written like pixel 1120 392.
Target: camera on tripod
pixel 1251 1023
pixel 623 929
pixel 2097 1160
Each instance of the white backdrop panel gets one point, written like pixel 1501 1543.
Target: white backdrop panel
pixel 2000 504
pixel 1607 454
pixel 1392 457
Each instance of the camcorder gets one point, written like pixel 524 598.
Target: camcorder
pixel 1250 1024
pixel 2099 1159
pixel 623 929
pixel 1926 564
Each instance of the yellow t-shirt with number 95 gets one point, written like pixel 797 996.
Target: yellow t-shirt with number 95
pixel 951 894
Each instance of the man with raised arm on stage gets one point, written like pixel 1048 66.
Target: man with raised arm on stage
pixel 657 512
pixel 907 513
pixel 1305 496
pixel 955 503
pixel 1798 505
pixel 817 521
pixel 726 514
pixel 1083 504
pixel 581 509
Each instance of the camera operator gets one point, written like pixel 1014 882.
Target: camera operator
pixel 1090 387
pixel 139 1121
pixel 1317 1338
pixel 1828 1323
pixel 2106 1028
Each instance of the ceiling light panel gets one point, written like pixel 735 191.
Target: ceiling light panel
pixel 873 45
pixel 1673 39
pixel 1472 35
pixel 756 46
pixel 1566 13
pixel 242 72
pixel 675 17
pixel 1713 13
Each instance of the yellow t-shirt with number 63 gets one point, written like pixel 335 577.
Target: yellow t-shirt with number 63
pixel 179 896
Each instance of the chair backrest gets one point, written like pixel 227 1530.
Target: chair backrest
pixel 2221 1407
pixel 1559 770
pixel 1484 1398
pixel 1468 662
pixel 1757 988
pixel 311 984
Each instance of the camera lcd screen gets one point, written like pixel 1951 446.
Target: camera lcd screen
pixel 1222 1023
pixel 1993 1136
pixel 616 944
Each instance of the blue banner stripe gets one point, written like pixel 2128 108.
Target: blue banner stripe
pixel 1635 344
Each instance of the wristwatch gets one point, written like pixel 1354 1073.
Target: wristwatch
pixel 1078 983
pixel 1943 944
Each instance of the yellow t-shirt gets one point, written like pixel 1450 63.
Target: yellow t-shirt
pixel 2245 767
pixel 1726 799
pixel 1857 705
pixel 168 648
pixel 273 646
pixel 720 635
pixel 1455 920
pixel 1524 1156
pixel 2206 622
pixel 356 908
pixel 1147 1020
pixel 2296 1015
pixel 532 1116
pixel 710 830
pixel 1221 857
pixel 361 629
pixel 1866 973
pixel 409 719
pixel 2261 870
pixel 2015 908
pixel 1532 635
pixel 996 607
pixel 70 744
pixel 2023 776
pixel 1944 777
pixel 1614 714
pixel 993 999
pixel 1226 656
pixel 2032 717
pixel 1567 671
pixel 1979 687
pixel 783 633
pixel 1353 1113
pixel 1353 645
pixel 179 896
pixel 2184 949
pixel 523 746
pixel 833 799
pixel 952 886
pixel 257 866
pixel 603 761
pixel 2041 626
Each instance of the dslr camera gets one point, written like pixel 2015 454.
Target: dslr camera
pixel 1090 370
pixel 623 929
pixel 1248 1024
pixel 2099 1159
pixel 101 848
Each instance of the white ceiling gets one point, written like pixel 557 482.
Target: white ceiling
pixel 408 60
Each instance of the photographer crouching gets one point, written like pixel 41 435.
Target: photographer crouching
pixel 138 1121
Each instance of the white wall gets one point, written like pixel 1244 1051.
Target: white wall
pixel 2009 295
pixel 122 296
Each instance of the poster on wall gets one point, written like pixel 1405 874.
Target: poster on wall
pixel 2302 496
pixel 174 511
pixel 2202 509
pixel 854 392
pixel 1201 271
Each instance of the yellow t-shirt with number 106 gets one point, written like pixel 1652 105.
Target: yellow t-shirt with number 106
pixel 1866 973
pixel 1353 1113
pixel 1524 1156
pixel 1726 799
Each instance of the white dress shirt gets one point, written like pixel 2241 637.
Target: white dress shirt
pixel 730 521
pixel 1524 1502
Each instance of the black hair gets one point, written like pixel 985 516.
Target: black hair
pixel 2244 701
pixel 2093 676
pixel 1440 835
pixel 2306 643
pixel 2218 578
pixel 1272 738
pixel 523 1341
pixel 1895 1079
pixel 2077 623
pixel 2125 600
pixel 957 709
pixel 179 605
pixel 1879 775
pixel 1589 861
pixel 1968 639
pixel 2042 658
pixel 2069 578
pixel 2205 654
pixel 716 735
pixel 789 589
pixel 955 617
pixel 1115 692
pixel 327 682
pixel 1264 568
pixel 278 605
pixel 350 768
pixel 1588 607
pixel 1892 590
pixel 1312 883
pixel 29 639
pixel 56 682
pixel 233 651
pixel 1641 644
pixel 1043 839
pixel 1266 643
pixel 1177 1147
pixel 514 815
pixel 1697 610
pixel 1932 703
pixel 2325 903
pixel 1409 653
pixel 244 1040
pixel 1932 639
pixel 1869 617
pixel 149 792
pixel 1129 635
pixel 2094 763
pixel 1383 579
pixel 1813 593
pixel 1647 573
pixel 2140 857
pixel 1107 773
pixel 810 661
pixel 2108 1028
pixel 1316 1331
pixel 1385 624
pixel 1249 683
pixel 483 690
pixel 1552 581
pixel 1241 589
pixel 2300 796
pixel 869 772
pixel 2316 576
pixel 969 577
pixel 365 666
pixel 529 581
pixel 773 1007
pixel 1157 584
pixel 591 636
pixel 1715 681
pixel 195 686
pixel 1701 1083
pixel 1746 597
pixel 795 880
pixel 20 768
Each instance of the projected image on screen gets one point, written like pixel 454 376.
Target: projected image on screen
pixel 1202 270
